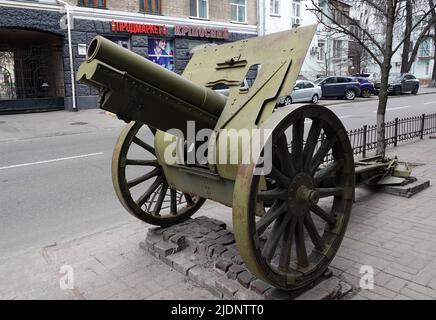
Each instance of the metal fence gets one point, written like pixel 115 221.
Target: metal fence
pixel 364 139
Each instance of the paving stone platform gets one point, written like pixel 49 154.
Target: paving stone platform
pixel 203 250
pixel 408 190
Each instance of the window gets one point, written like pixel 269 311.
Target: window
pixel 92 3
pixel 321 50
pixel 121 41
pixel 199 9
pixel 296 9
pixel 330 80
pixel 425 48
pixel 337 49
pixel 296 13
pixel 299 86
pixel 308 85
pixel 150 6
pixel 275 7
pixel 161 51
pixel 238 10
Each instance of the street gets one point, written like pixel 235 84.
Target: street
pixel 355 115
pixel 55 177
pixel 46 202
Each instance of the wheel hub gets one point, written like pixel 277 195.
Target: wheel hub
pixel 301 195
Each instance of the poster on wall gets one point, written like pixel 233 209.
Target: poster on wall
pixel 161 51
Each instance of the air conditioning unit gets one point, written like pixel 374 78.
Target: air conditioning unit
pixel 296 22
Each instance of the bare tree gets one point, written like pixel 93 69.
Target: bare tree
pixel 410 49
pixel 386 16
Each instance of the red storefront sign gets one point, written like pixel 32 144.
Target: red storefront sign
pixel 201 32
pixel 118 26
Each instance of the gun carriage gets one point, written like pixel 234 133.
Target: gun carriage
pixel 289 221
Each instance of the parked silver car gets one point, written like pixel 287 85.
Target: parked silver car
pixel 304 91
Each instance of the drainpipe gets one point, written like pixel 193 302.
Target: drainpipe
pixel 264 17
pixel 70 49
pixel 261 17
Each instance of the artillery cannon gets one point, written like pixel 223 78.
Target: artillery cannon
pixel 288 221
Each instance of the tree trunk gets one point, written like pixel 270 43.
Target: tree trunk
pixel 433 76
pixel 385 69
pixel 407 31
pixel 382 104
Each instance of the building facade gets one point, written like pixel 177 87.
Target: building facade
pixel 328 53
pixel 423 65
pixel 39 48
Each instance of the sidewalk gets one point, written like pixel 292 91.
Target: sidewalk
pixel 395 236
pixel 37 125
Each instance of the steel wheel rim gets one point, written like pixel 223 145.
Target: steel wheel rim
pixel 149 207
pixel 245 225
pixel 350 95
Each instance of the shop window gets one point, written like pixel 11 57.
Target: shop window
pixel 199 9
pixel 161 51
pixel 92 3
pixel 121 41
pixel 238 10
pixel 150 6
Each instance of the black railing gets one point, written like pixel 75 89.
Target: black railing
pixel 364 139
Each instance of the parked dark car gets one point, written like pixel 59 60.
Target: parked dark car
pixel 371 77
pixel 367 88
pixel 401 83
pixel 339 87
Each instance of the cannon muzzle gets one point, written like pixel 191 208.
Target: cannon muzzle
pixel 137 89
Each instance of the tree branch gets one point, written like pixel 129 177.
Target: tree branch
pixel 345 31
pixel 414 27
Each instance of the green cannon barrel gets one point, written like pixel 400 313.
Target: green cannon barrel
pixel 137 89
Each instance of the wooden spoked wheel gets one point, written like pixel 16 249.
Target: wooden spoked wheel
pixel 289 228
pixel 140 182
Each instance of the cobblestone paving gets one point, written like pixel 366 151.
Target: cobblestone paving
pixel 205 251
pixel 394 235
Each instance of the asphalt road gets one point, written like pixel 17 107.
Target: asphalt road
pixel 356 114
pixel 55 181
